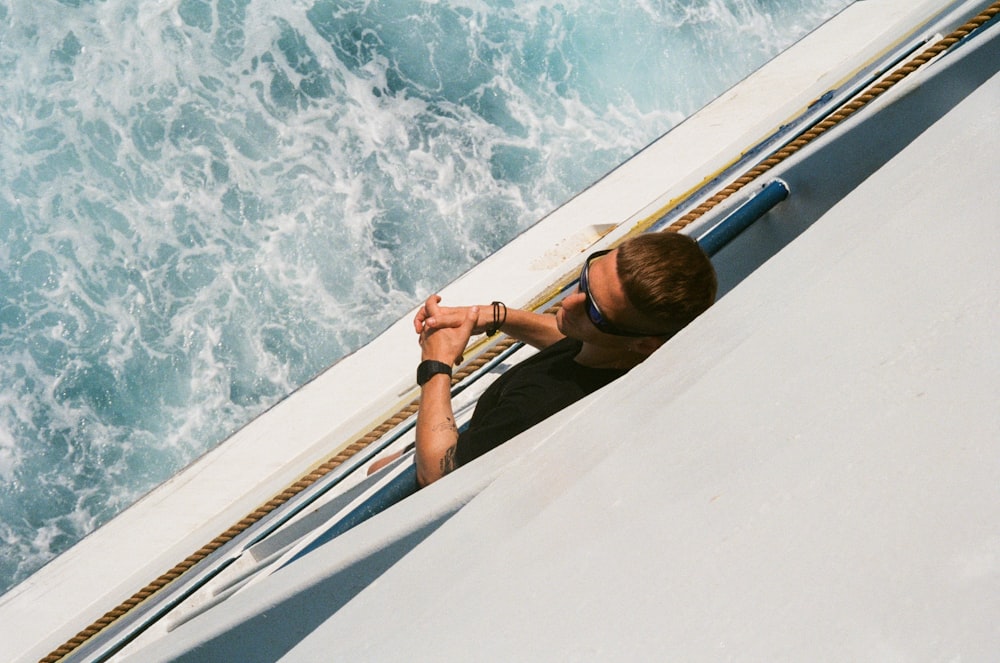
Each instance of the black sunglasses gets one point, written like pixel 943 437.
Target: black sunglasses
pixel 593 312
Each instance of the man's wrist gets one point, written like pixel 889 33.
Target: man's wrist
pixel 428 368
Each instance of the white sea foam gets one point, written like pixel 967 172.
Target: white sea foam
pixel 203 204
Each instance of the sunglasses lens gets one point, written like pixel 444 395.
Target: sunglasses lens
pixel 594 314
pixel 592 311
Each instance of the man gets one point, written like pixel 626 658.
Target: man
pixel 630 300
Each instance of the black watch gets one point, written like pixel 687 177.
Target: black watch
pixel 428 368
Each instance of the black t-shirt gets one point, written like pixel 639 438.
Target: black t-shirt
pixel 528 393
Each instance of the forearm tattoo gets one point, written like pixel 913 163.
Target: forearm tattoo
pixel 448 460
pixel 446 426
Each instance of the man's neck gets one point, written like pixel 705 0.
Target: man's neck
pixel 596 356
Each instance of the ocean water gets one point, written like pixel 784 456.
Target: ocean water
pixel 204 203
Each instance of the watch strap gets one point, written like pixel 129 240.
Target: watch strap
pixel 428 368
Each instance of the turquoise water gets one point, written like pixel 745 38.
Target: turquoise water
pixel 204 203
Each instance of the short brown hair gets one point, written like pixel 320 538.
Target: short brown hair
pixel 667 278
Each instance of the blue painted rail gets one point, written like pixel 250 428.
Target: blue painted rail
pixel 399 487
pixel 743 217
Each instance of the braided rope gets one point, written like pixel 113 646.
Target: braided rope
pixel 411 408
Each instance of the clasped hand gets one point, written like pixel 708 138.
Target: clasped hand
pixel 445 330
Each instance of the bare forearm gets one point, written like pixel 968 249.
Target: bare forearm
pixel 437 432
pixel 537 329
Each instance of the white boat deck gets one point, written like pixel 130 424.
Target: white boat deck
pixel 811 471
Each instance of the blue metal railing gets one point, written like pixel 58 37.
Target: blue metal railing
pixel 399 487
pixel 743 217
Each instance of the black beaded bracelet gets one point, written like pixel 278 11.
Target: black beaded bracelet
pixel 499 317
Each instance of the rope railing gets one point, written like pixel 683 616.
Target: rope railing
pixel 494 349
